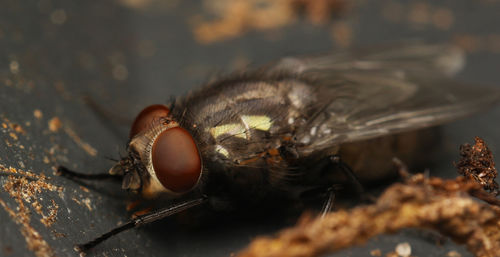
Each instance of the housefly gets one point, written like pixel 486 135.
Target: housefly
pixel 295 125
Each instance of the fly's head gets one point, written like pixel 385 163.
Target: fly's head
pixel 162 156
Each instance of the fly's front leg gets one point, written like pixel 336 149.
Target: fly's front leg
pixel 118 171
pixel 139 221
pixel 65 172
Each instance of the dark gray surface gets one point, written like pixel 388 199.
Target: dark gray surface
pixel 61 63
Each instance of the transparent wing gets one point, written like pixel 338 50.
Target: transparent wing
pixel 366 94
pixel 439 59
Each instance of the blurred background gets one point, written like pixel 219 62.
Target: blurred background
pixel 59 58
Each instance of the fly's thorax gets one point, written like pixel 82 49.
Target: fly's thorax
pixel 247 116
pixel 245 130
pixel 249 99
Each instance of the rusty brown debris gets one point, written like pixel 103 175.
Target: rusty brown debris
pixel 24 188
pixel 234 17
pixel 477 163
pixel 446 206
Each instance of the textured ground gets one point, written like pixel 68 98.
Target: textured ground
pixel 126 54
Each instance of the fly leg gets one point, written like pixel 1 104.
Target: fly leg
pixel 141 220
pixel 336 161
pixel 335 165
pixel 352 178
pixel 330 201
pixel 347 171
pixel 65 172
pixel 326 182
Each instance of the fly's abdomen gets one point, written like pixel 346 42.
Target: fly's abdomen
pixel 371 160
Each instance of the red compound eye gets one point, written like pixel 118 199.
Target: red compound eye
pixel 146 116
pixel 176 160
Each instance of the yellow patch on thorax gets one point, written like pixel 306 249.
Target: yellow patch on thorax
pixel 241 130
pixel 234 129
pixel 259 122
pixel 220 149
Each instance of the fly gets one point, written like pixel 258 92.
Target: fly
pixel 293 126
